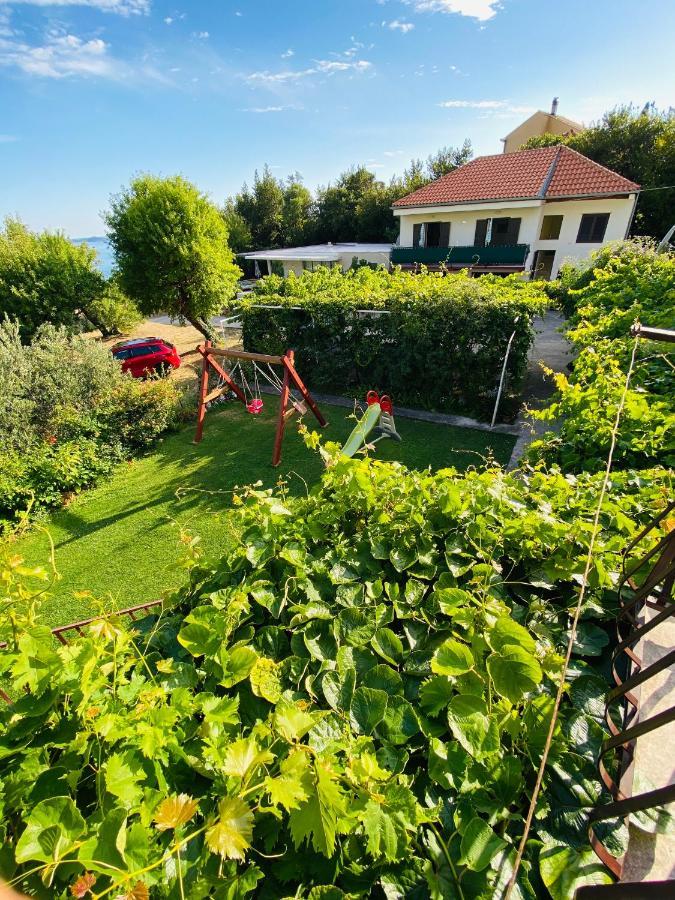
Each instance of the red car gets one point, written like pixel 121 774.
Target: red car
pixel 143 356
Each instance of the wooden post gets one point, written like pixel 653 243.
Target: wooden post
pixel 203 388
pixel 281 420
pixel 290 370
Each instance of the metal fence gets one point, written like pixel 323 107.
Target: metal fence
pixel 646 602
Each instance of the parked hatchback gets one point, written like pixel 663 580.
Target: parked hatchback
pixel 143 356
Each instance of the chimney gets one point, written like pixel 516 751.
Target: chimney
pixel 554 107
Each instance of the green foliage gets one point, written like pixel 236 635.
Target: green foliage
pixel 45 278
pixel 351 700
pixel 113 312
pixel 67 414
pixel 355 207
pixel 171 250
pixel 638 144
pixel 622 284
pixel 441 346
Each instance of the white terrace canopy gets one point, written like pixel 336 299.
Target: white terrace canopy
pixel 295 259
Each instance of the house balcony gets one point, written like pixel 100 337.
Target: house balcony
pixel 491 258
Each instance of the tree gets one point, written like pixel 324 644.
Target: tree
pixel 297 210
pixel 337 205
pixel 447 159
pixel 171 249
pixel 262 208
pixel 239 234
pixel 638 144
pixel 46 278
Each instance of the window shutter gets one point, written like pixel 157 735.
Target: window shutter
pixel 444 238
pixel 416 235
pixel 481 232
pixel 514 231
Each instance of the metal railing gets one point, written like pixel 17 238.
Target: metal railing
pixel 512 255
pixel 646 602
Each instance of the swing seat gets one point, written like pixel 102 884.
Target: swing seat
pixel 255 406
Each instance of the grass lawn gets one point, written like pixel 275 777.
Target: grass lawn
pixel 120 541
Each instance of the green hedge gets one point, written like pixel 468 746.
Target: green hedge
pixel 439 345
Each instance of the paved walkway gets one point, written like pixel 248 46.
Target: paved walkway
pixel 551 349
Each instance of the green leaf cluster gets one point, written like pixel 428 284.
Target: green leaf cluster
pixel 353 700
pixel 624 283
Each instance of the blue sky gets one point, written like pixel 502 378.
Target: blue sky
pixel 94 91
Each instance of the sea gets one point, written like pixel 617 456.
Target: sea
pixel 104 254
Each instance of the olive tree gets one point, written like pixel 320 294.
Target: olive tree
pixel 46 278
pixel 171 249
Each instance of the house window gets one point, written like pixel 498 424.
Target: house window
pixel 431 234
pixel 497 232
pixel 550 228
pixel 592 228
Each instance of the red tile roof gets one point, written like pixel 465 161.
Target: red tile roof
pixel 544 173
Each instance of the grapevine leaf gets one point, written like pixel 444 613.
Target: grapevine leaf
pixel 380 830
pixel 400 721
pixel 292 722
pixel 123 772
pixel 244 756
pixel 472 726
pixel 231 835
pixel 507 631
pixel 367 709
pixel 514 672
pixel 452 658
pixel 52 827
pixel 237 665
pixel 479 845
pixel 265 680
pixel 388 645
pixel 564 869
pixel 316 819
pixel 435 694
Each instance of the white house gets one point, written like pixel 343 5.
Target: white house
pixel 524 211
pixel 299 259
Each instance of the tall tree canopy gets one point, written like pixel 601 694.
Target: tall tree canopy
pixel 46 278
pixel 638 144
pixel 171 248
pixel 354 207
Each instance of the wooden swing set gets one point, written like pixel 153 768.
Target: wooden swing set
pixel 262 365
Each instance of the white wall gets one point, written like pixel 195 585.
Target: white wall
pixel 566 248
pixel 463 223
pixel 296 266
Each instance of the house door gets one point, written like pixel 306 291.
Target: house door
pixel 543 264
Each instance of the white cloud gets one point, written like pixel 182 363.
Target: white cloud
pixel 391 153
pixel 320 67
pixel 496 106
pixel 239 13
pixel 121 7
pixel 168 20
pixel 60 56
pixel 288 53
pixel 202 35
pixel 397 25
pixel 475 9
pixel 269 109
pixel 8 138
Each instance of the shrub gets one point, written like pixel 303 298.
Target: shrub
pixel 37 480
pixel 625 283
pixel 439 343
pixel 352 702
pixel 114 311
pixel 137 412
pixel 67 413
